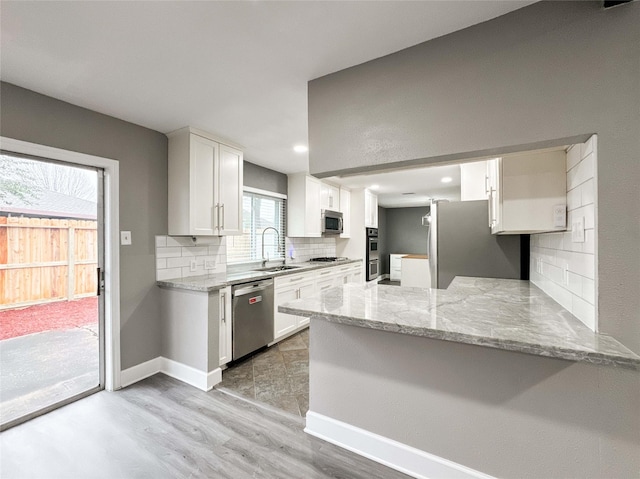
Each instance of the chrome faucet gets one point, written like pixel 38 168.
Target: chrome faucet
pixel 264 260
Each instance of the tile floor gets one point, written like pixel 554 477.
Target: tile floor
pixel 278 376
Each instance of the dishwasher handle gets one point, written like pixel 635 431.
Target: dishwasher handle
pixel 261 286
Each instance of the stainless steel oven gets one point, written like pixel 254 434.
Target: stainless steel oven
pixel 373 259
pixel 373 267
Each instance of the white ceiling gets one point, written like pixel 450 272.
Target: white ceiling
pixel 425 184
pixel 238 69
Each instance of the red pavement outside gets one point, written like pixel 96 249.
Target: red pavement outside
pixel 47 317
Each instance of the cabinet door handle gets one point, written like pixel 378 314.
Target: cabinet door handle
pixel 222 214
pixel 326 272
pixel 486 184
pixel 322 288
pixel 217 216
pixel 224 307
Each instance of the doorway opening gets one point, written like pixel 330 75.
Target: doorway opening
pixel 51 285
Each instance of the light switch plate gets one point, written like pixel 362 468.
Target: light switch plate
pixel 193 265
pixel 209 264
pixel 125 238
pixel 577 229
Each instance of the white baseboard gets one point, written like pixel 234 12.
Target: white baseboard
pixel 396 455
pixel 179 371
pixel 140 371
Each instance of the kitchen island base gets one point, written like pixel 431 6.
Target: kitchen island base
pixel 504 413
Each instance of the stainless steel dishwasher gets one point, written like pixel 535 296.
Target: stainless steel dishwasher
pixel 252 317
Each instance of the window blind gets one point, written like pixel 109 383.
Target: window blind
pixel 259 212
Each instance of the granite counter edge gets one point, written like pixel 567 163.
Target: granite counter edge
pixel 549 351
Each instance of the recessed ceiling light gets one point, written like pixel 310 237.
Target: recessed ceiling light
pixel 300 149
pixel 374 187
pixel 447 179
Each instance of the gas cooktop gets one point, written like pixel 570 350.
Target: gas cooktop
pixel 329 259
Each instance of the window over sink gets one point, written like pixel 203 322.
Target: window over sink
pixel 261 211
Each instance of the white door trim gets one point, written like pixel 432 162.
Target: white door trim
pixel 111 242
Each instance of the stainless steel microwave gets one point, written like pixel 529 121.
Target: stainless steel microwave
pixel 332 222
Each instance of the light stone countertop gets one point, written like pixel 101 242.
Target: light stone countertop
pixel 208 283
pixel 499 313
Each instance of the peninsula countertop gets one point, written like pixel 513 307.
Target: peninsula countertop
pixel 214 282
pixel 505 314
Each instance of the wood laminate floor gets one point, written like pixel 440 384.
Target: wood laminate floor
pixel 162 428
pixel 278 376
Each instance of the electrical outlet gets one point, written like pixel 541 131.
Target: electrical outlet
pixel 193 265
pixel 577 229
pixel 209 264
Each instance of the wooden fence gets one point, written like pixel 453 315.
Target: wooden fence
pixel 44 259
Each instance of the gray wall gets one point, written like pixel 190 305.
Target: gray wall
pixel 466 246
pixel 550 73
pixel 142 154
pixel 265 179
pixel 404 232
pixel 503 413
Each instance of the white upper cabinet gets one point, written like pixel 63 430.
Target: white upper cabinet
pixel 303 206
pixel 330 197
pixel 370 210
pixel 205 185
pixel 528 193
pixel 473 181
pixel 230 188
pixel 345 208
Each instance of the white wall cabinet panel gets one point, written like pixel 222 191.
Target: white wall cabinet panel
pixel 225 325
pixel 330 197
pixel 303 206
pixel 205 185
pixel 230 190
pixel 345 208
pixel 370 209
pixel 525 191
pixel 473 181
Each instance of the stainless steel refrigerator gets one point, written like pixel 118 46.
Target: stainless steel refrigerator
pixel 460 243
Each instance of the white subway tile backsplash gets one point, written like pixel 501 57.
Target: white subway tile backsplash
pixel 174 259
pixel 584 311
pixel 162 252
pixel 195 251
pixel 589 245
pixel 178 262
pixel 588 190
pixel 574 198
pixel 588 146
pixel 574 155
pixel 589 290
pixel 171 273
pixel 561 268
pixel 574 283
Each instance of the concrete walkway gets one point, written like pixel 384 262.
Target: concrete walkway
pixel 40 369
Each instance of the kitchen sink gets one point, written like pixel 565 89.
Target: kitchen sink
pixel 273 269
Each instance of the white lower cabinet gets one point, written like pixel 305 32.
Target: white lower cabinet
pixel 395 266
pixel 289 288
pixel 302 285
pixel 225 325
